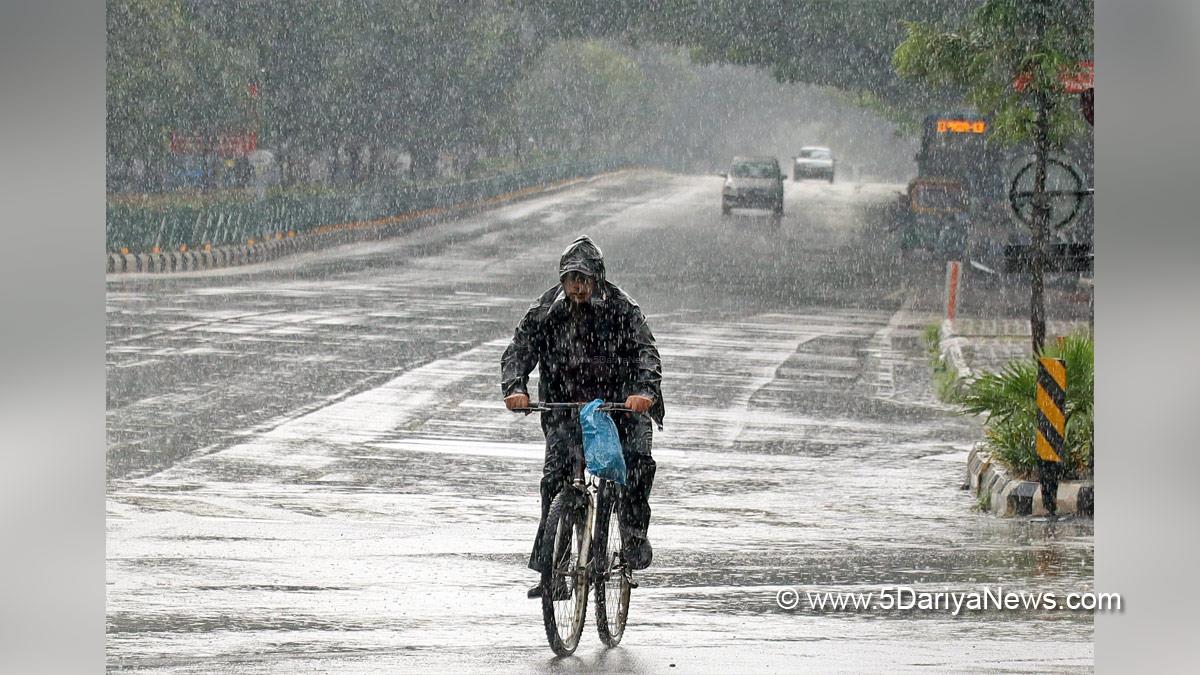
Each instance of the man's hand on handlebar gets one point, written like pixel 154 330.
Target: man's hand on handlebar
pixel 634 403
pixel 638 404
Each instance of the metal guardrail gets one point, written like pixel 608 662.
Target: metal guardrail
pixel 142 228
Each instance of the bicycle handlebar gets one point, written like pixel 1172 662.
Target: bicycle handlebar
pixel 539 406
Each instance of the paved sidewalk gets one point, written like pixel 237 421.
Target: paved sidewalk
pixel 973 345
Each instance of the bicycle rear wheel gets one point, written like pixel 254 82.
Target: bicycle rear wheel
pixel 612 576
pixel 565 544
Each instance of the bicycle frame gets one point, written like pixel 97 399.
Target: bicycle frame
pixel 582 490
pixel 584 485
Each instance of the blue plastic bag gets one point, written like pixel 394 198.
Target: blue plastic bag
pixel 601 444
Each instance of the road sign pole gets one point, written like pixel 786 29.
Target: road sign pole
pixel 1051 428
pixel 953 275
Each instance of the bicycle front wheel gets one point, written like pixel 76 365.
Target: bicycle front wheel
pixel 565 543
pixel 612 576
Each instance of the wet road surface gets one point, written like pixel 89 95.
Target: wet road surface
pixel 310 469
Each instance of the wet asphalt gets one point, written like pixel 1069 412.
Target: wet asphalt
pixel 310 470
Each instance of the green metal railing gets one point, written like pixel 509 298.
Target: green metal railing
pixel 140 228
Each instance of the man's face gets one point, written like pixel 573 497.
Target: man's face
pixel 578 287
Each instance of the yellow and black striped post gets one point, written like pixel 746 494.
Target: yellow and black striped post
pixel 1051 427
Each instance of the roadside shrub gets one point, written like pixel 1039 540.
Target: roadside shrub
pixel 1008 399
pixel 932 335
pixel 945 378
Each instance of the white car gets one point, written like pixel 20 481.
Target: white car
pixel 813 161
pixel 753 183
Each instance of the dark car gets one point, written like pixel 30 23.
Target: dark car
pixel 753 183
pixel 813 161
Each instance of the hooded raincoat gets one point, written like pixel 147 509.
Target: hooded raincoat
pixel 601 349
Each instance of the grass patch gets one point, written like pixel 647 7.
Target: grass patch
pixel 933 335
pixel 984 502
pixel 945 377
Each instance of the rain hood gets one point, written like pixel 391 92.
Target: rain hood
pixel 582 255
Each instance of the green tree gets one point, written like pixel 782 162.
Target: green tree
pixel 843 44
pixel 1006 39
pixel 427 75
pixel 165 74
pixel 295 46
pixel 354 74
pixel 586 96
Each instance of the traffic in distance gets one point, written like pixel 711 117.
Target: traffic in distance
pixel 964 203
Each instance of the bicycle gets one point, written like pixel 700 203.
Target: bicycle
pixel 582 530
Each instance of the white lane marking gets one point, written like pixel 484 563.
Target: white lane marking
pixel 881 354
pixel 718 369
pixel 135 364
pixel 375 413
pixel 956 457
pixel 401 450
pixel 733 362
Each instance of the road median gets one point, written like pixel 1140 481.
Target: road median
pixel 996 467
pixel 278 236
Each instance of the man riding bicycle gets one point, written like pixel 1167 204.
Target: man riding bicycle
pixel 590 341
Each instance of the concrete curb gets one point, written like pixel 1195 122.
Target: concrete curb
pixel 1006 496
pixel 261 251
pixel 950 347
